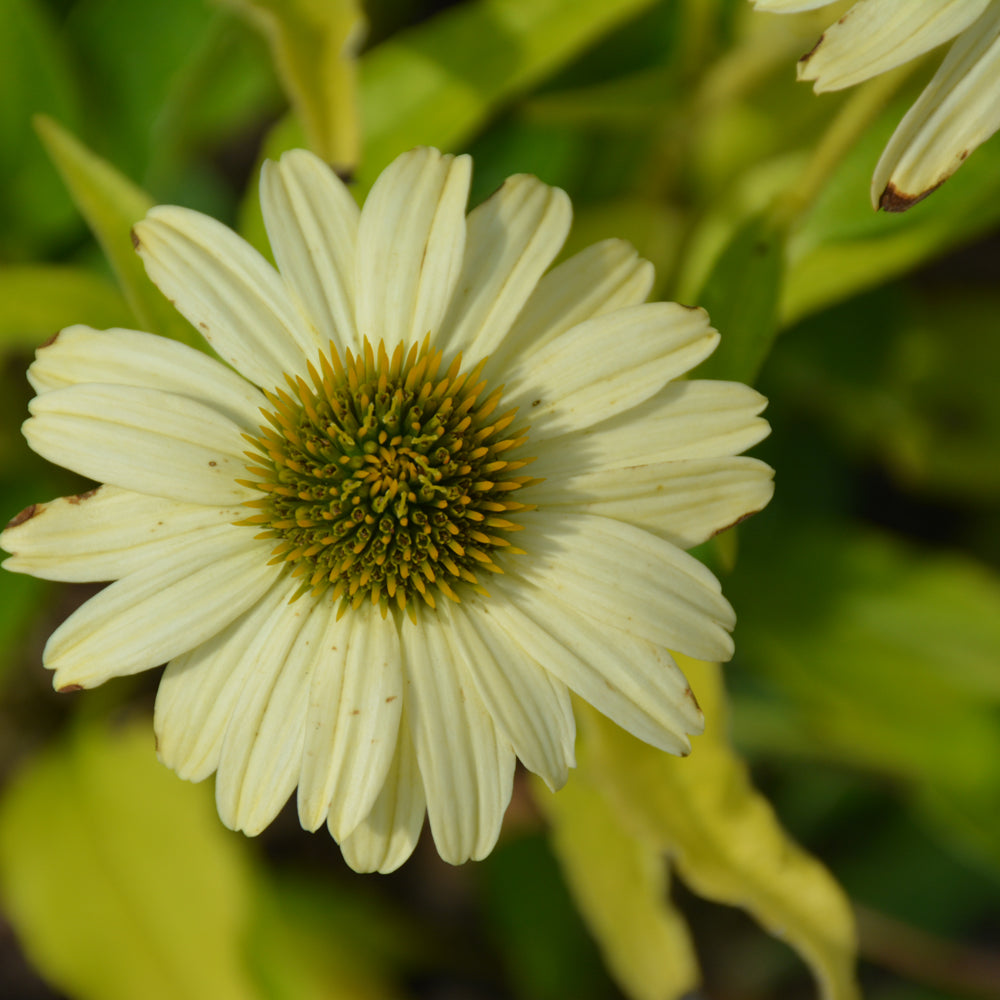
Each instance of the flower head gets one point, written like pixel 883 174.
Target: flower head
pixel 958 110
pixel 440 487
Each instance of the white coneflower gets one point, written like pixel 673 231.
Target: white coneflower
pixel 958 110
pixel 363 588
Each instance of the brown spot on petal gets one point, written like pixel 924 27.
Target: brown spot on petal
pixel 391 697
pixel 80 497
pixel 355 711
pixel 738 520
pixel 26 515
pixel 50 341
pixel 689 694
pixel 135 238
pixel 812 51
pixel 894 200
pixel 69 688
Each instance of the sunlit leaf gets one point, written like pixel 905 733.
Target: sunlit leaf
pixel 620 883
pixel 741 296
pixel 314 44
pixel 437 83
pixel 112 204
pixel 40 300
pixel 723 837
pixel 118 878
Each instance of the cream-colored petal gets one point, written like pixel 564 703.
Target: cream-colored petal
pixel 790 6
pixel 355 701
pixel 626 578
pixel 312 224
pixel 104 534
pixel 685 420
pixel 512 238
pixel 386 837
pixel 200 689
pixel 634 683
pixel 529 706
pixel 410 246
pixel 958 110
pixel 161 611
pixel 466 771
pixel 140 439
pixel 128 357
pixel 606 276
pixel 606 365
pixel 261 753
pixel 877 35
pixel 684 502
pixel 235 299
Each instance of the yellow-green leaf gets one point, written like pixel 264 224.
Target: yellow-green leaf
pixel 620 884
pixel 437 83
pixel 39 300
pixel 314 44
pixel 119 879
pixel 723 836
pixel 112 204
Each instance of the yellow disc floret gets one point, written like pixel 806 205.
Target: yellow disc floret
pixel 384 480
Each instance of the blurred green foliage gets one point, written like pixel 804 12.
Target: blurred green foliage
pixel 865 693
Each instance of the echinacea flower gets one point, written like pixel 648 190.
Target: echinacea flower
pixel 438 489
pixel 958 110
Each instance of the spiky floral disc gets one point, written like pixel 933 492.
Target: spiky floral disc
pixel 384 480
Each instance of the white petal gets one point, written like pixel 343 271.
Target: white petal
pixel 634 683
pixel 627 578
pixel 104 534
pixel 529 707
pixel 686 420
pixel 229 292
pixel 386 837
pixel 467 773
pixel 410 246
pixel 161 611
pixel 877 35
pixel 512 237
pixel 684 502
pixel 128 357
pixel 606 365
pixel 312 224
pixel 261 753
pixel 958 110
pixel 141 439
pixel 200 689
pixel 606 276
pixel 354 704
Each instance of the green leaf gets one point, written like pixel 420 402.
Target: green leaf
pixel 118 878
pixel 741 295
pixel 885 661
pixel 724 838
pixel 620 884
pixel 112 204
pixel 438 83
pixel 318 940
pixel 35 76
pixel 41 300
pixel 844 247
pixel 314 45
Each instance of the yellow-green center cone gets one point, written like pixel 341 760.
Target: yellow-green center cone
pixel 385 480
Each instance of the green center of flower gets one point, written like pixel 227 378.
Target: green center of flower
pixel 385 480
